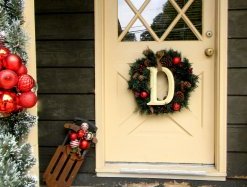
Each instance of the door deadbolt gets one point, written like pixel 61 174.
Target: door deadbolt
pixel 209 52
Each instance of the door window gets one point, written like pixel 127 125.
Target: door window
pixel 149 20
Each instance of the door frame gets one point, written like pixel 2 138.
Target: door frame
pixel 29 27
pixel 172 171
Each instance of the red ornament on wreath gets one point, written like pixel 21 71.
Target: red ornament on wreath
pixel 22 70
pixel 27 99
pixel 176 106
pixel 4 52
pixel 8 102
pixel 144 95
pixel 12 62
pixel 8 79
pixel 84 144
pixel 25 83
pixel 176 60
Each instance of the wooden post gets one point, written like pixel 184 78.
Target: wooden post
pixel 29 27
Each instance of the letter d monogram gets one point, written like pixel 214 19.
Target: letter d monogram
pixel 153 85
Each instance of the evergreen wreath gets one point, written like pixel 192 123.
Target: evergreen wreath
pixel 15 154
pixel 185 80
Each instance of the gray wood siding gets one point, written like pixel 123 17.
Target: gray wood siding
pixel 65 62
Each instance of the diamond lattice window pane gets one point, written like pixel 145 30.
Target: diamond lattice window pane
pixel 194 13
pixel 159 14
pixel 137 33
pixel 125 14
pixel 137 3
pixel 181 32
pixel 181 3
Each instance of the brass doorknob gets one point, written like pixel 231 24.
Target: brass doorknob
pixel 209 52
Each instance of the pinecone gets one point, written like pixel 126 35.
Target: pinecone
pixel 135 75
pixel 166 61
pixel 187 84
pixel 180 96
pixel 137 94
pixel 141 77
pixel 146 62
pixel 184 85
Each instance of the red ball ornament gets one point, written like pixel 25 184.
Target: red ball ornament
pixel 84 144
pixel 80 133
pixel 18 107
pixel 12 62
pixel 22 70
pixel 73 136
pixel 176 106
pixel 25 83
pixel 27 99
pixel 8 79
pixel 4 52
pixel 8 102
pixel 144 95
pixel 176 60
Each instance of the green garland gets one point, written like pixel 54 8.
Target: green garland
pixel 185 80
pixel 16 157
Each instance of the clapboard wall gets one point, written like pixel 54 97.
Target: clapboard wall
pixel 65 66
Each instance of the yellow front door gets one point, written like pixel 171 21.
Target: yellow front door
pixel 182 137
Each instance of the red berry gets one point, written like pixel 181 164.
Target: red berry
pixel 73 136
pixel 84 144
pixel 80 134
pixel 176 60
pixel 144 95
pixel 176 106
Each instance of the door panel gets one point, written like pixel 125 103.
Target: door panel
pixel 182 137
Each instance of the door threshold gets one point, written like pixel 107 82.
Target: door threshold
pixel 163 171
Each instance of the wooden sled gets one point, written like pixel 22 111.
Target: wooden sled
pixel 64 165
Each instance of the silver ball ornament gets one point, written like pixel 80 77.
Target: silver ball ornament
pixel 84 126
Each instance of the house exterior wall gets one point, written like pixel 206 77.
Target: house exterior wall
pixel 65 70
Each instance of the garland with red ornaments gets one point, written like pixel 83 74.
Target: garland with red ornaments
pixel 17 93
pixel 184 79
pixel 16 86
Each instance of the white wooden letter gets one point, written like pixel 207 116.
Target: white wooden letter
pixel 153 84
